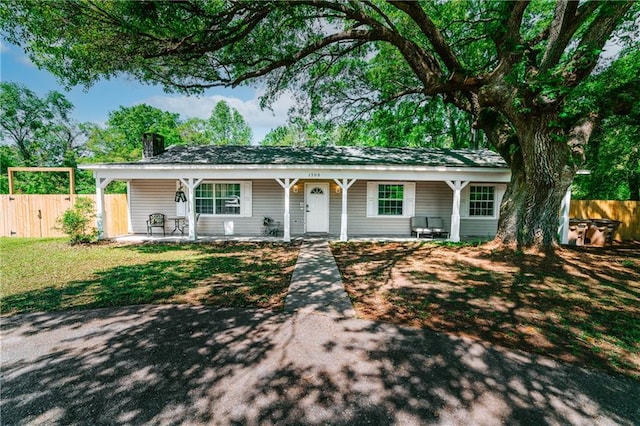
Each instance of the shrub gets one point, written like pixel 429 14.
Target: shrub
pixel 76 221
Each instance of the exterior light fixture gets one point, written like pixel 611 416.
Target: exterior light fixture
pixel 295 188
pixel 180 195
pixel 338 189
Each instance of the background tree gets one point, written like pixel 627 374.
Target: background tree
pixel 39 132
pixel 512 65
pixel 431 123
pixel 39 128
pixel 121 138
pixel 405 124
pixel 195 131
pixel 226 126
pixel 613 153
pixel 302 132
pixel 8 158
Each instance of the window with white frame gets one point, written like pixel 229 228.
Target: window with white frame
pixel 223 198
pixel 390 199
pixel 482 201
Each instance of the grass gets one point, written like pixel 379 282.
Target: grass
pixel 48 274
pixel 580 305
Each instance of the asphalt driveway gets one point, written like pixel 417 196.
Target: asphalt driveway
pixel 195 365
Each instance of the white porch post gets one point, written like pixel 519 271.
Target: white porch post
pixel 101 214
pixel 191 185
pixel 286 185
pixel 344 185
pixel 129 218
pixel 564 217
pixel 456 187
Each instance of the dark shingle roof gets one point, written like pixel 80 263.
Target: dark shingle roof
pixel 333 155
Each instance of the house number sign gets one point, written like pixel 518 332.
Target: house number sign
pixel 314 174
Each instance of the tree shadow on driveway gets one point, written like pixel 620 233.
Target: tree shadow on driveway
pixel 186 364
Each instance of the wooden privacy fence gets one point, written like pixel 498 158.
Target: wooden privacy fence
pixel 627 212
pixel 36 215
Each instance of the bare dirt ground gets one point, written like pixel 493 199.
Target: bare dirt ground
pixel 581 305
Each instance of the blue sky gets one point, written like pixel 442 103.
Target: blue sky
pixel 95 103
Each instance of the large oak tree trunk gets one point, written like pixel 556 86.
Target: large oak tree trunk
pixel 540 176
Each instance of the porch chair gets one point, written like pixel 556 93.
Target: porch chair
pixel 156 220
pixel 430 227
pixel 270 227
pixel 274 229
pixel 419 226
pixel 436 226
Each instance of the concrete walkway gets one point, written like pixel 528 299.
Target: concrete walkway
pixel 316 284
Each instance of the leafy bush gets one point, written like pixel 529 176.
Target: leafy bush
pixel 76 221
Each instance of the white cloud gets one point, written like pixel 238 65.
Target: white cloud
pixel 15 52
pixel 25 60
pixel 260 120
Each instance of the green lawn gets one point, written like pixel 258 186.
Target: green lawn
pixel 48 274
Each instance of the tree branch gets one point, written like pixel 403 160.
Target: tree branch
pixel 579 135
pixel 308 50
pixel 586 55
pixel 424 65
pixel 567 19
pixel 562 16
pixel 390 24
pixel 433 34
pixel 509 38
pixel 512 23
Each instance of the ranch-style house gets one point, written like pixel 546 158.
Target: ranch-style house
pixel 293 191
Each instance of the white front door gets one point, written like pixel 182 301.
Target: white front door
pixel 317 211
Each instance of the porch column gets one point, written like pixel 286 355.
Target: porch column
pixel 129 218
pixel 286 185
pixel 344 185
pixel 191 185
pixel 563 229
pixel 101 214
pixel 456 186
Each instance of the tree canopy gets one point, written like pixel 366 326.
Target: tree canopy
pixel 120 140
pixel 511 65
pixel 613 153
pixel 39 127
pixel 226 126
pixel 38 132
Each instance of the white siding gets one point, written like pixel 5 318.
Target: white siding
pixel 151 196
pixel 478 228
pixel 336 209
pixel 434 199
pixel 360 224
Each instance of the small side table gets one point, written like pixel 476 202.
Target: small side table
pixel 178 224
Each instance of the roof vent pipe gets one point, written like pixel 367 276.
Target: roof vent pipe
pixel 152 145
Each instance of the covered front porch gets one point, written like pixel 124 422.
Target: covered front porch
pixel 338 192
pixel 340 209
